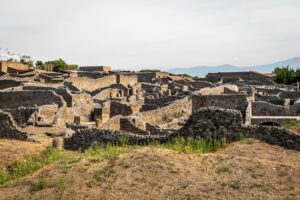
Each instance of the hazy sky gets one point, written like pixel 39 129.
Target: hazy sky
pixel 132 34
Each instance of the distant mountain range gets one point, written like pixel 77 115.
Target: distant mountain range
pixel 201 71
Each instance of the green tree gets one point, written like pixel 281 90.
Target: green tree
pixel 39 64
pixel 285 75
pixel 57 65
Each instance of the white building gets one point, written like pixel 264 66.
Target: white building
pixel 5 55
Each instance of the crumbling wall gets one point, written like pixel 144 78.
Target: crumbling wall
pixel 88 84
pixel 232 101
pixel 127 79
pixel 4 84
pixel 128 126
pixel 161 101
pixel 217 90
pixel 261 108
pixel 62 91
pixel 21 114
pixel 15 99
pixel 166 114
pixel 269 98
pixel 109 93
pixel 82 99
pixel 8 128
pixel 67 114
pixel 295 95
pixel 211 122
pixel 117 108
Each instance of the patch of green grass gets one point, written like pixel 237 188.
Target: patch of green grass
pixel 61 185
pixel 261 185
pixel 42 184
pixel 106 172
pixel 291 123
pixel 126 165
pixel 191 145
pixel 235 184
pixel 99 152
pixel 223 169
pixel 89 184
pixel 29 165
pixel 65 169
pixel 82 169
pixel 239 137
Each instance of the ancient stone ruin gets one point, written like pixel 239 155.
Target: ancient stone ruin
pixel 89 106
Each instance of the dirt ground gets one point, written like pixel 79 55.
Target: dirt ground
pixel 243 170
pixel 11 150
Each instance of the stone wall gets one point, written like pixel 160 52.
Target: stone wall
pixel 84 138
pixel 217 90
pixel 210 122
pixel 88 84
pixel 166 114
pixel 62 91
pixel 21 114
pixel 295 95
pixel 127 79
pixel 117 108
pixel 15 99
pixel 235 102
pixel 8 128
pixel 269 98
pixel 213 122
pixel 4 84
pixel 261 108
pixel 161 101
pixel 128 126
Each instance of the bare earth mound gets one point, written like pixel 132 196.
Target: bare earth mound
pixel 243 170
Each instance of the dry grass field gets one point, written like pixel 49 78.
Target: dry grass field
pixel 247 169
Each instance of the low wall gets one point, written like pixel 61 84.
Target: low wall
pixel 90 85
pixel 261 108
pixel 161 101
pixel 22 114
pixel 166 114
pixel 295 95
pixel 235 102
pixel 4 84
pixel 217 90
pixel 127 79
pixel 225 123
pixel 117 108
pixel 212 122
pixel 63 92
pixel 15 99
pixel 84 138
pixel 8 128
pixel 269 98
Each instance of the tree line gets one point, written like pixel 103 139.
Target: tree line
pixel 287 75
pixel 55 65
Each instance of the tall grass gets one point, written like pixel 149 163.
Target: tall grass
pixel 192 145
pixel 109 151
pixel 29 165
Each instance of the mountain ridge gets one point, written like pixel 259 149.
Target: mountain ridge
pixel 265 68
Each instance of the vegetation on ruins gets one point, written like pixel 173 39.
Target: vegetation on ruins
pixel 39 64
pixel 60 64
pixel 287 75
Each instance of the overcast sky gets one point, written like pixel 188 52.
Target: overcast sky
pixel 133 34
